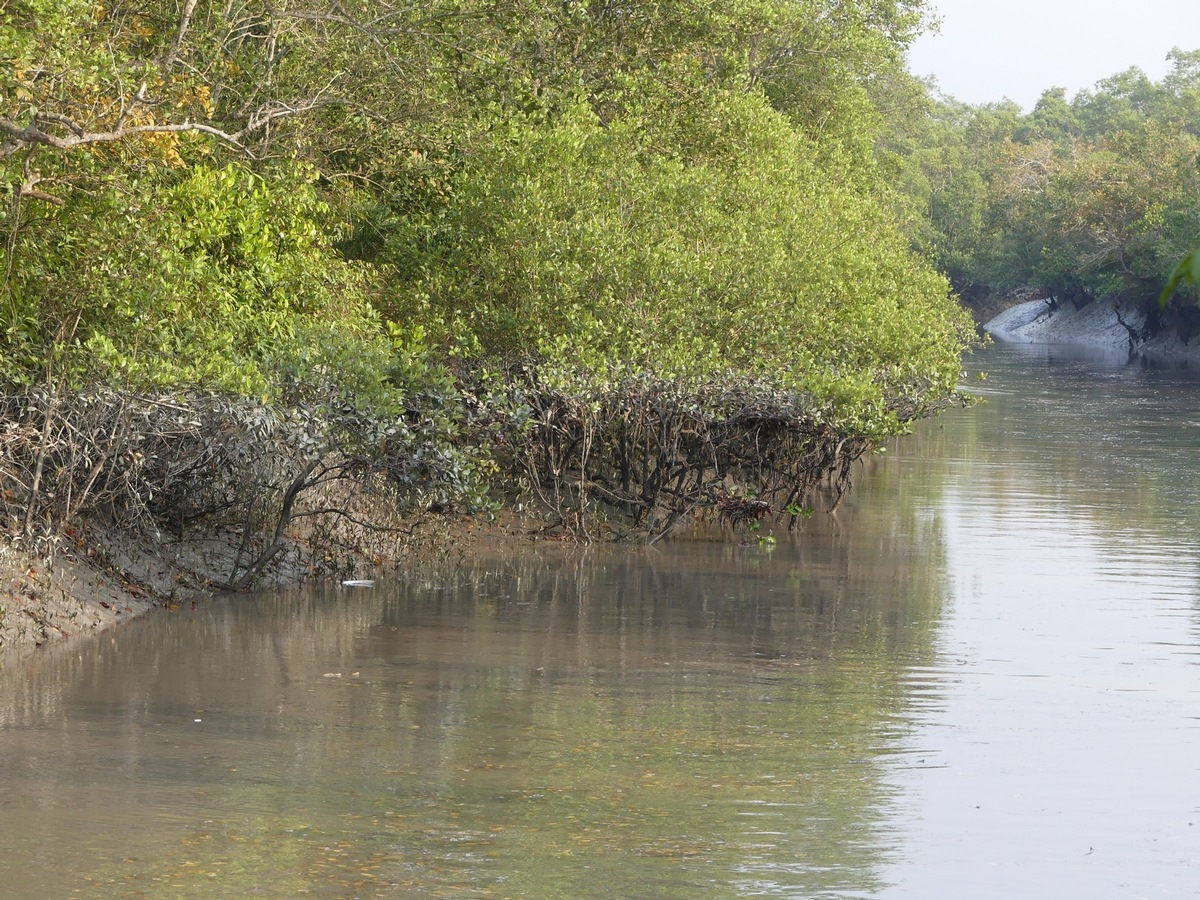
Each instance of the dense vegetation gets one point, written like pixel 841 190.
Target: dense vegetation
pixel 1094 196
pixel 635 254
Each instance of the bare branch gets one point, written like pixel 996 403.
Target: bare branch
pixel 185 21
pixel 138 99
pixel 33 135
pixel 36 133
pixel 28 188
pixel 362 523
pixel 63 121
pixel 278 109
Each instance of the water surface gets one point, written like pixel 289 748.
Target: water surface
pixel 978 679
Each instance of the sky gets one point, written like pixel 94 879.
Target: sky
pixel 989 50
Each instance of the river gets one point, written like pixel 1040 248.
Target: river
pixel 978 679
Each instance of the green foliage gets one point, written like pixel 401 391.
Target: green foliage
pixel 210 279
pixel 741 251
pixel 1188 270
pixel 1096 195
pixel 360 213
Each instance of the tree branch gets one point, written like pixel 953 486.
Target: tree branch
pixel 185 21
pixel 34 135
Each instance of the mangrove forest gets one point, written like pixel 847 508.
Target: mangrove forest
pixel 308 268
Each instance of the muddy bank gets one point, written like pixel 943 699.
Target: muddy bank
pixel 45 601
pixel 99 576
pixel 1140 329
pixel 111 503
pixel 93 576
pixel 984 304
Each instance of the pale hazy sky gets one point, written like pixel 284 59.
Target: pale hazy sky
pixel 988 50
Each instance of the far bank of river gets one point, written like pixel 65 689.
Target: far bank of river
pixel 1110 324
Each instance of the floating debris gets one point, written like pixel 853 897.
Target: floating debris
pixel 359 582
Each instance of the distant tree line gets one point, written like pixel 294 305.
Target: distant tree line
pixel 1083 197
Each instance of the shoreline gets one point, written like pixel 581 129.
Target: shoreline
pixel 100 577
pixel 1110 323
pixel 50 602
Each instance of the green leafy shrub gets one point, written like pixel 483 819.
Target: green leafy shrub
pixel 587 247
pixel 209 279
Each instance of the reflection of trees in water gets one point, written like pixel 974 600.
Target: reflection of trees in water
pixel 751 687
pixel 693 717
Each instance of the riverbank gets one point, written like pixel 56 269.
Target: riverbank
pixel 100 576
pixel 119 503
pixel 45 601
pixel 106 566
pixel 1140 329
pixel 93 577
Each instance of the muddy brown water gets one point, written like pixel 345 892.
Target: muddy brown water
pixel 979 679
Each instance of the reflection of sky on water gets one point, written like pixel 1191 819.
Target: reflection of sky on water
pixel 1062 756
